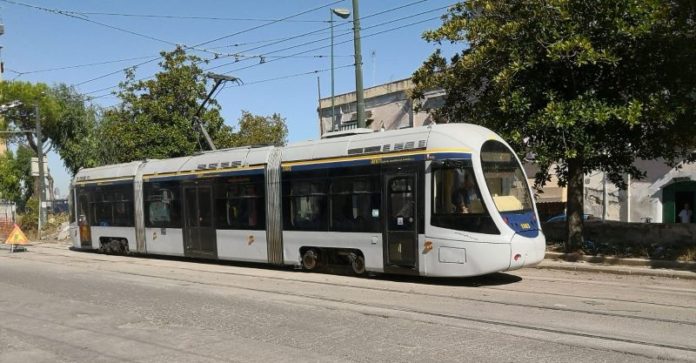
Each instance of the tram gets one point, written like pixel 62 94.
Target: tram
pixel 447 200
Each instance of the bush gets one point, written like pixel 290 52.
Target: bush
pixel 29 221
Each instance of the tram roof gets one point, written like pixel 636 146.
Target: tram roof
pixel 457 136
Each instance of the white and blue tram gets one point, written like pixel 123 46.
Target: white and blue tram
pixel 443 200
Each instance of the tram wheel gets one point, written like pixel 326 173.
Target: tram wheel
pixel 310 259
pixel 357 262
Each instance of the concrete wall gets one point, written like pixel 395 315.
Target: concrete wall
pixel 620 233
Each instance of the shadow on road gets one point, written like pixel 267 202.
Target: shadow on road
pixel 494 279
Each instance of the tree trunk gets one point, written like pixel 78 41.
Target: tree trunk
pixel 575 209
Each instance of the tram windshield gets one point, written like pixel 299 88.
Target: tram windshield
pixel 504 178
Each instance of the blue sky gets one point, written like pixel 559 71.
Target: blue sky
pixel 277 78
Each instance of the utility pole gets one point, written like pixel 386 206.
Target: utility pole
pixel 358 66
pixel 39 152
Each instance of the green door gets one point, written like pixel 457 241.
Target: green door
pixel 673 198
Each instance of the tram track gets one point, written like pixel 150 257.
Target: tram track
pixel 443 296
pixel 420 312
pixel 390 310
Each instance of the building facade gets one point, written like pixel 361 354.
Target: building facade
pixel 387 107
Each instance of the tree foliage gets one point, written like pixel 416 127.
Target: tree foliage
pixel 75 140
pixel 31 96
pixel 590 85
pixel 10 185
pixel 67 122
pixel 155 117
pixel 68 126
pixel 16 182
pixel 258 130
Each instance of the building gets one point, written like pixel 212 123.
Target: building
pixel 387 107
pixel 657 198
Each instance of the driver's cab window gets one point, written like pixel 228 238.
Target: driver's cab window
pixel 457 202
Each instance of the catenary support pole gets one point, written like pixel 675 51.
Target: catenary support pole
pixel 358 66
pixel 39 154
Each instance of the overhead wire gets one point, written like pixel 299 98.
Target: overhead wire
pixel 324 30
pixel 299 74
pixel 336 36
pixel 287 38
pixel 76 15
pixel 267 24
pixel 298 54
pixel 237 33
pixel 184 17
pixel 77 66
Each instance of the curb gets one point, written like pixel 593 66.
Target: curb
pixel 635 262
pixel 619 266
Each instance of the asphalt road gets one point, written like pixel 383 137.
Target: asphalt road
pixel 58 305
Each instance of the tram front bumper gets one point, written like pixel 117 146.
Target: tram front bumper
pixel 526 251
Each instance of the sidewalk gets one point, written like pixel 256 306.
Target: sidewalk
pixel 620 266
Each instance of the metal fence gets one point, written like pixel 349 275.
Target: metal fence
pixel 8 217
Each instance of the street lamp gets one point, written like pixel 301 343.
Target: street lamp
pixel 343 14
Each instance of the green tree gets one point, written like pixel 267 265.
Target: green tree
pixel 590 85
pixel 258 130
pixel 10 181
pixel 67 123
pixel 155 117
pixel 74 136
pixel 16 182
pixel 24 116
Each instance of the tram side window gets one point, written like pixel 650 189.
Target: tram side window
pixel 307 204
pixel 456 201
pixel 162 205
pixel 112 206
pixel 355 204
pixel 240 204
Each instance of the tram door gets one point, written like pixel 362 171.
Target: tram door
pixel 199 232
pixel 402 222
pixel 83 212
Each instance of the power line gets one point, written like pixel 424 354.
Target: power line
pixel 156 16
pixel 327 38
pixel 324 29
pixel 76 16
pixel 186 47
pixel 267 24
pixel 245 56
pixel 115 72
pixel 259 81
pixel 299 53
pixel 292 75
pixel 326 46
pixel 268 55
pixel 77 66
